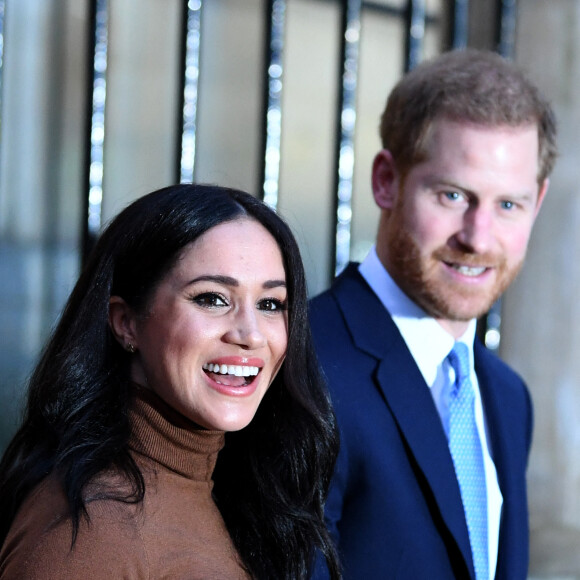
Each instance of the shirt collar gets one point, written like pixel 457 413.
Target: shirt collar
pixel 427 340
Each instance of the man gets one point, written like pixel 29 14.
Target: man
pixel 428 487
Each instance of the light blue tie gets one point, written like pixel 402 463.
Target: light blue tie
pixel 465 448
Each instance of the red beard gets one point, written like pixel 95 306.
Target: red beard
pixel 420 277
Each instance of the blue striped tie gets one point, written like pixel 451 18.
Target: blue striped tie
pixel 465 448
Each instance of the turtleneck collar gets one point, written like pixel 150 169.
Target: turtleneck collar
pixel 162 434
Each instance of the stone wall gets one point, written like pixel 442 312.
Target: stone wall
pixel 541 311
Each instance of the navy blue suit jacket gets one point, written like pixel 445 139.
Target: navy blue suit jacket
pixel 394 506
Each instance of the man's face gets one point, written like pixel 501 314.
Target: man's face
pixel 460 221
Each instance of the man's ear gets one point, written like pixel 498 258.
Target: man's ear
pixel 385 179
pixel 541 195
pixel 122 323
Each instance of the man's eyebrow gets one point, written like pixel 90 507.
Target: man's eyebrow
pixel 229 281
pixel 446 182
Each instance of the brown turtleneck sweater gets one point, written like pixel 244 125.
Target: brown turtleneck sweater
pixel 177 532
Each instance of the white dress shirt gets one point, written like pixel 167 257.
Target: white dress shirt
pixel 430 344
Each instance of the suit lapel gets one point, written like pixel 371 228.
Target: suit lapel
pixel 502 412
pixel 504 408
pixel 408 397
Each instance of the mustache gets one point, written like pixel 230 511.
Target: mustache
pixel 486 260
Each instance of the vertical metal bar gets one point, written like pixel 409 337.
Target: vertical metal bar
pixel 346 123
pixel 459 24
pixel 506 29
pixel 191 40
pixel 489 327
pixel 2 20
pixel 272 128
pixel 415 33
pixel 96 121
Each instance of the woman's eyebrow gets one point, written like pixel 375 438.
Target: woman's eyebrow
pixel 274 284
pixel 220 279
pixel 229 281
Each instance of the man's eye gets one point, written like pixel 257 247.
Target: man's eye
pixel 271 304
pixel 507 204
pixel 210 300
pixel 453 195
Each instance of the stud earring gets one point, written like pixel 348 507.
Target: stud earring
pixel 131 348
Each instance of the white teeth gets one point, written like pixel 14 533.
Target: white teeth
pixel 237 370
pixel 468 271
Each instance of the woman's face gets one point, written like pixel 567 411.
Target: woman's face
pixel 216 329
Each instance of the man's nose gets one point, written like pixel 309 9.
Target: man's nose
pixel 477 230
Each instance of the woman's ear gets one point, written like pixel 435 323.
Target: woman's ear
pixel 385 179
pixel 122 323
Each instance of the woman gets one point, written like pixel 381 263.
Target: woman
pixel 189 321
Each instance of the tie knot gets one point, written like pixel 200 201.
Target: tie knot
pixel 459 359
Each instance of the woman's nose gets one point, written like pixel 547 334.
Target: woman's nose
pixel 245 330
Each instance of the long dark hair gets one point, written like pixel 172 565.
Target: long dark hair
pixel 271 478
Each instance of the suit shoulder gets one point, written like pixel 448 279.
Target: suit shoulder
pixel 340 295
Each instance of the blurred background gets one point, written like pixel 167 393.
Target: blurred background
pixel 103 101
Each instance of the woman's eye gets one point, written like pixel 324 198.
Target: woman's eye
pixel 210 300
pixel 271 304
